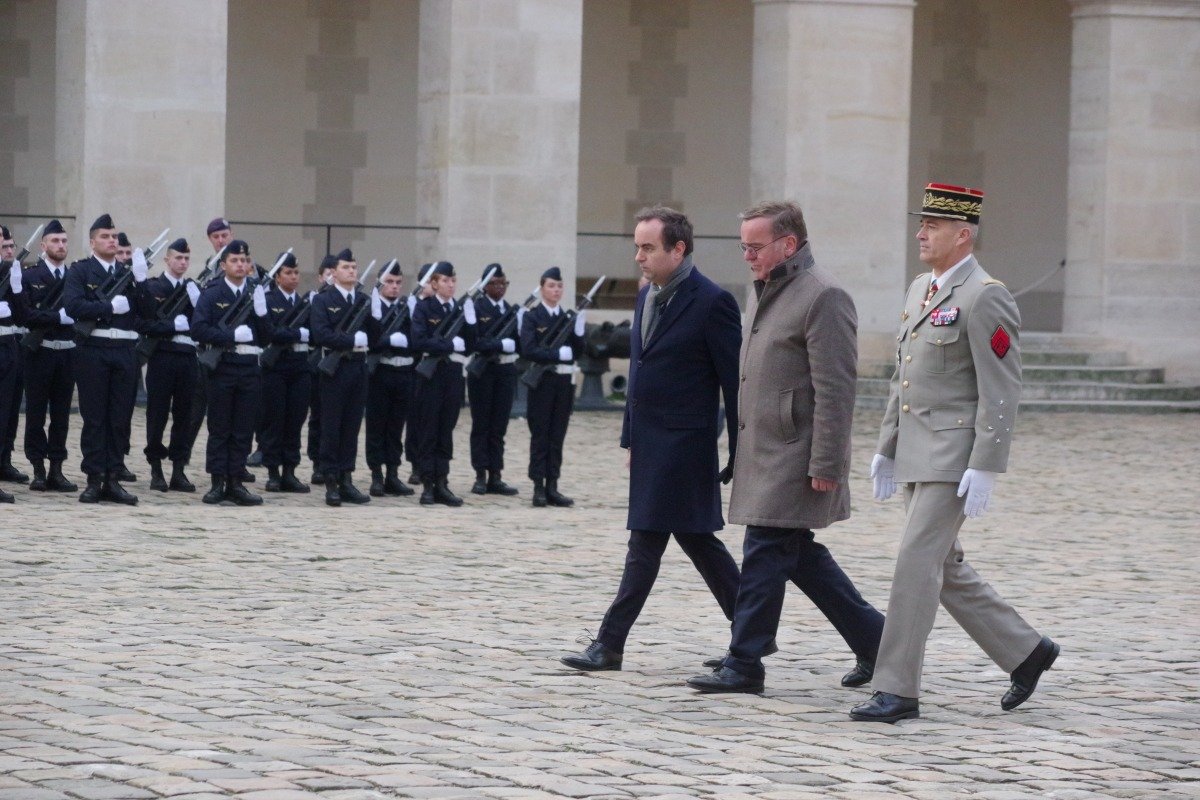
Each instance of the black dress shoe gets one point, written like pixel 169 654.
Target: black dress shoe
pixel 726 680
pixel 555 497
pixel 94 490
pixel 318 477
pixel 716 663
pixel 56 481
pixel 427 498
pixel 443 495
pixel 158 481
pixel 480 484
pixel 497 486
pixel 115 492
pixel 123 474
pixel 333 492
pixel 376 489
pixel 246 476
pixel 290 483
pixel 274 480
pixel 349 492
pixel 1025 677
pixel 884 707
pixel 11 474
pixel 242 496
pixel 596 658
pixel 861 675
pixel 6 497
pixel 539 494
pixel 179 481
pixel 38 484
pixel 393 486
pixel 217 493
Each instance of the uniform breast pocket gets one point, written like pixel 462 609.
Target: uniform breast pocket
pixel 942 350
pixel 787 416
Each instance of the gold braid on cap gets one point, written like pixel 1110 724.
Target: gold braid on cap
pixel 950 205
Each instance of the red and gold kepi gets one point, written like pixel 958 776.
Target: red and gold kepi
pixel 951 202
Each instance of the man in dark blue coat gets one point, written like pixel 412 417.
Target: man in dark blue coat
pixel 684 357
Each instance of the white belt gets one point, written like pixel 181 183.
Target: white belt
pixel 247 350
pixel 10 330
pixel 300 347
pixel 508 358
pixel 458 358
pixel 58 344
pixel 179 338
pixel 358 350
pixel 396 361
pixel 564 369
pixel 114 333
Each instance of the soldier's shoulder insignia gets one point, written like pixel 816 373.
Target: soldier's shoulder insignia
pixel 1001 342
pixel 993 282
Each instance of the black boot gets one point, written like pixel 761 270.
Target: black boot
pixel 333 494
pixel 427 495
pixel 95 488
pixel 350 492
pixel 443 495
pixel 245 476
pixel 274 480
pixel 290 483
pixel 414 479
pixel 158 481
pixel 480 484
pixel 123 474
pixel 539 493
pixel 114 491
pixel 179 481
pixel 6 497
pixel 255 459
pixel 38 484
pixel 10 473
pixel 56 481
pixel 496 486
pixel 377 482
pixel 318 476
pixel 392 485
pixel 217 493
pixel 242 496
pixel 555 498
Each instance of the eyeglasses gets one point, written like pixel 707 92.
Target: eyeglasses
pixel 756 248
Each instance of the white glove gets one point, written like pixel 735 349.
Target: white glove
pixel 181 323
pixel 120 304
pixel 565 353
pixel 520 317
pixel 412 303
pixel 138 265
pixel 242 334
pixel 459 345
pixel 360 339
pixel 469 311
pixel 977 485
pixel 5 310
pixel 260 301
pixel 193 292
pixel 14 278
pixel 376 304
pixel 508 346
pixel 398 339
pixel 303 335
pixel 580 323
pixel 883 471
pixel 64 318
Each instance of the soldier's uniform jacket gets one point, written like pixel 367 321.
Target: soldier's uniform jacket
pixel 330 309
pixel 488 315
pixel 215 302
pixel 426 317
pixel 536 327
pixel 380 339
pixel 37 282
pixel 282 312
pixel 158 291
pixel 82 300
pixel 954 394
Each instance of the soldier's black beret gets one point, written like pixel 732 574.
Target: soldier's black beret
pixel 328 262
pixel 443 268
pixel 4 231
pixel 392 268
pixel 53 226
pixel 103 223
pixel 123 240
pixel 289 260
pixel 552 274
pixel 180 245
pixel 218 224
pixel 235 248
pixel 499 273
pixel 345 255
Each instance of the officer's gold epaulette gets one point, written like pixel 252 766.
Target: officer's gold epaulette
pixel 991 281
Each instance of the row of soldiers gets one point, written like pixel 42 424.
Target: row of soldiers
pixel 245 349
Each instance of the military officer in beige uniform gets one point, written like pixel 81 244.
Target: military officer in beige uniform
pixel 945 438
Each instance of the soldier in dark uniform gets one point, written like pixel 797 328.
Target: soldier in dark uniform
pixel 172 370
pixel 491 393
pixel 10 348
pixel 438 398
pixel 324 278
pixel 235 385
pixel 49 366
pixel 106 368
pixel 288 382
pixel 343 394
pixel 389 389
pixel 548 409
pixel 410 432
pixel 14 379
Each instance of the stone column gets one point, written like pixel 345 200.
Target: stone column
pixel 499 134
pixel 1133 243
pixel 140 118
pixel 830 130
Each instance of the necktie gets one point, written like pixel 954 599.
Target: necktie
pixel 933 287
pixel 445 308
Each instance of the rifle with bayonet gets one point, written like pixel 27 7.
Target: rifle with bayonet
pixel 505 327
pixel 451 324
pixel 557 337
pixel 236 315
pixel 395 318
pixel 5 287
pixel 351 322
pixel 118 282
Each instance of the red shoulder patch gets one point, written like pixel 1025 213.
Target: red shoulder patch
pixel 1001 342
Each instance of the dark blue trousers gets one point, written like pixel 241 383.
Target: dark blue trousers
pixel 314 417
pixel 287 393
pixel 388 396
pixel 11 382
pixel 491 398
pixel 107 376
pixel 171 377
pixel 439 401
pixel 49 386
pixel 772 556
pixel 548 412
pixel 343 400
pixel 234 391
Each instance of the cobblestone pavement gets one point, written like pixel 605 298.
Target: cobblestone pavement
pixel 177 650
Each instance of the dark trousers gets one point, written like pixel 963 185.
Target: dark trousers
pixel 199 405
pixel 107 380
pixel 11 384
pixel 772 556
pixel 410 431
pixel 491 398
pixel 287 392
pixel 314 417
pixel 548 411
pixel 49 385
pixel 343 399
pixel 388 395
pixel 439 401
pixel 234 389
pixel 171 377
pixel 642 560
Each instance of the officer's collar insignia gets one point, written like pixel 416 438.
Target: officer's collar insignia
pixel 903 316
pixel 943 316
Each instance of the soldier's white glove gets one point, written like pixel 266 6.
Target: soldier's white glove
pixel 181 323
pixel 120 304
pixel 883 472
pixel 64 318
pixel 260 301
pixel 412 303
pixel 469 311
pixel 360 339
pixel 138 265
pixel 398 339
pixel 508 346
pixel 376 304
pixel 459 345
pixel 14 278
pixel 5 310
pixel 303 335
pixel 193 292
pixel 520 317
pixel 242 334
pixel 580 323
pixel 565 353
pixel 977 485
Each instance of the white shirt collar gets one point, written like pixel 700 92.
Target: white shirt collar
pixel 552 310
pixel 108 265
pixel 945 277
pixel 291 297
pixel 232 288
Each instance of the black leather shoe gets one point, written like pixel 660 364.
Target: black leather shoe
pixel 6 497
pixel 726 680
pixel 38 484
pixel 376 489
pixel 115 492
pixel 480 484
pixel 884 707
pixel 318 477
pixel 246 476
pixel 1025 677
pixel 350 493
pixel 333 492
pixel 123 474
pixel 716 663
pixel 254 459
pixel 596 658
pixel 427 498
pixel 95 488
pixel 179 481
pixel 158 481
pixel 217 493
pixel 393 486
pixel 539 494
pixel 242 496
pixel 56 481
pixel 10 473
pixel 556 498
pixel 443 495
pixel 290 483
pixel 861 675
pixel 274 480
pixel 497 486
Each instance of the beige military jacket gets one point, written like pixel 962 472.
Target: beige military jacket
pixel 954 394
